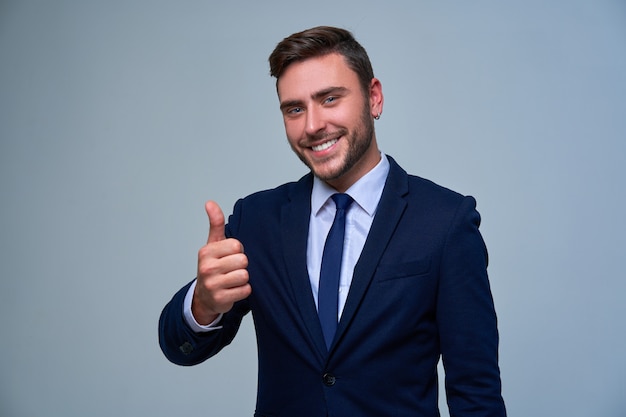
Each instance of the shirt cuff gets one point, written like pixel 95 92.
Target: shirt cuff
pixel 191 320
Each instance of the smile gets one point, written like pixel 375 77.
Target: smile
pixel 324 145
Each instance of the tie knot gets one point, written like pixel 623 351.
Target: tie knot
pixel 342 201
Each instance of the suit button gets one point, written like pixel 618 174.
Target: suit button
pixel 329 379
pixel 186 348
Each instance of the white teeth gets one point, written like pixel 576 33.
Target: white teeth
pixel 324 145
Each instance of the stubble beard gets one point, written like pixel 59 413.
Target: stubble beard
pixel 359 142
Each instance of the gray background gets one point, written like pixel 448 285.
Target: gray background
pixel 119 119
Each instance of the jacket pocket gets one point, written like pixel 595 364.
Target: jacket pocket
pixel 386 272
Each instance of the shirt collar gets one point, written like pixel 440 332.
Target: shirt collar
pixel 366 191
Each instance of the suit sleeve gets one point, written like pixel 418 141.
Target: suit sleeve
pixel 180 343
pixel 467 320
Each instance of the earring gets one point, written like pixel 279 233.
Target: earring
pixel 377 117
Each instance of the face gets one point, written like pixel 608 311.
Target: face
pixel 329 118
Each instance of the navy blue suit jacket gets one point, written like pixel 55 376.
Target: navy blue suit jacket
pixel 419 290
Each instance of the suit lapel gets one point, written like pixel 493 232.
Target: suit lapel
pixel 294 228
pixel 390 208
pixel 295 216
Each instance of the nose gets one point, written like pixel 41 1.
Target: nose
pixel 314 121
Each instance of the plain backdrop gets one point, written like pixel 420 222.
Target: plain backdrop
pixel 118 119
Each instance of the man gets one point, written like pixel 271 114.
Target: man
pixel 356 330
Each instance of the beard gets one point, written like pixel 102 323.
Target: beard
pixel 359 141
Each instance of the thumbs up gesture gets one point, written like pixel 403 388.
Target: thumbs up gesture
pixel 222 275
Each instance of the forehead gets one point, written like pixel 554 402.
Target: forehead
pixel 305 78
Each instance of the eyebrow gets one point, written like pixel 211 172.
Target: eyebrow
pixel 315 96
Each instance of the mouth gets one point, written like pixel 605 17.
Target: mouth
pixel 324 146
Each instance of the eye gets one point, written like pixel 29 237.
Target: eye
pixel 330 99
pixel 295 110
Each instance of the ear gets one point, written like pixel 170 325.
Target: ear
pixel 376 98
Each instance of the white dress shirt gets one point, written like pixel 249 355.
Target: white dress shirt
pixel 366 193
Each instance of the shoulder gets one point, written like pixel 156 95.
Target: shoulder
pixel 419 189
pixel 427 191
pixel 420 184
pixel 278 195
pixel 432 205
pixel 266 206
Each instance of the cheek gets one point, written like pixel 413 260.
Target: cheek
pixel 345 116
pixel 293 131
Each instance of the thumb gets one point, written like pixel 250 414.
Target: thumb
pixel 216 222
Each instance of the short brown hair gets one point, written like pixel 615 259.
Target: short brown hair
pixel 320 41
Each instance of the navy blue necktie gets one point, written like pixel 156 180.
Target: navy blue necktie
pixel 328 295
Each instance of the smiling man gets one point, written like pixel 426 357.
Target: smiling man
pixel 329 118
pixel 359 276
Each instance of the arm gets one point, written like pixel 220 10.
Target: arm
pixel 221 288
pixel 182 346
pixel 467 321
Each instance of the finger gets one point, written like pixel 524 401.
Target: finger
pixel 236 279
pixel 215 264
pixel 220 249
pixel 237 293
pixel 216 222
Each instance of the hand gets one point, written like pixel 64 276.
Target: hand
pixel 222 275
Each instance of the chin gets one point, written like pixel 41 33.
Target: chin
pixel 326 170
pixel 329 173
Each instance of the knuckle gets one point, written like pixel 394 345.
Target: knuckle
pixel 248 288
pixel 219 299
pixel 211 287
pixel 203 252
pixel 235 246
pixel 207 286
pixel 242 261
pixel 239 277
pixel 244 275
pixel 207 269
